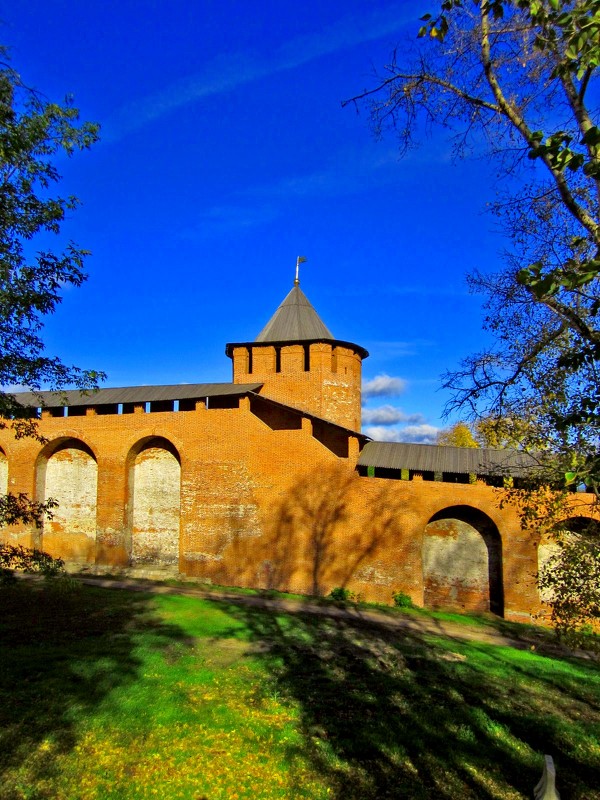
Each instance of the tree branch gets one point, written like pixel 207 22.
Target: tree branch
pixel 414 80
pixel 518 122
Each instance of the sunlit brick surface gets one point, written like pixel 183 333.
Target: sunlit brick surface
pixel 261 494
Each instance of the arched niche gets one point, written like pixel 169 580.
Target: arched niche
pixel 67 472
pixel 462 561
pixel 154 468
pixel 3 472
pixel 3 476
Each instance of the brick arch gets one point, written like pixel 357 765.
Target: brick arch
pixel 60 442
pixel 67 433
pixel 153 501
pixel 462 560
pixel 66 470
pixel 8 448
pixel 581 524
pixel 133 444
pixel 153 440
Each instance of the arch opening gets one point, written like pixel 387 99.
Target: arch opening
pixel 3 476
pixel 462 561
pixel 154 502
pixel 3 472
pixel 67 472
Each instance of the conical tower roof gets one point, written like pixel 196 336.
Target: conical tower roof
pixel 295 320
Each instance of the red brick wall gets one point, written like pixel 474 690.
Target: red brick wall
pixel 330 388
pixel 264 502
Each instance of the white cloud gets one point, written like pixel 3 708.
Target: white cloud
pixel 383 386
pixel 418 434
pixel 388 415
pixel 11 388
pixel 236 69
pixel 380 433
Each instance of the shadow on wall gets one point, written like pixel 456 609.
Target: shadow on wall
pixel 325 533
pixel 462 561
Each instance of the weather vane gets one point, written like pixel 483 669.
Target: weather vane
pixel 299 260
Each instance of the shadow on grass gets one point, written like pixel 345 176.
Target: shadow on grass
pixel 389 714
pixel 61 654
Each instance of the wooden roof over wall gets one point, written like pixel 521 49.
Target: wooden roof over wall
pixel 134 394
pixel 438 458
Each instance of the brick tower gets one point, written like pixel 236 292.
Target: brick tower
pixel 300 363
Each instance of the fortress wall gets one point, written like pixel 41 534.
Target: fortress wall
pixel 257 499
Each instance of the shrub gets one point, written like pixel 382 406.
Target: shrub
pixel 342 594
pixel 402 600
pixel 29 560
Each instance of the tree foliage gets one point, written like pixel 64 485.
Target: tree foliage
pixel 496 433
pixel 517 77
pixel 571 577
pixel 33 134
pixel 457 435
pixel 517 80
pixel 26 560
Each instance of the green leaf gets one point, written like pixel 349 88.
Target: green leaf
pixel 592 168
pixel 572 52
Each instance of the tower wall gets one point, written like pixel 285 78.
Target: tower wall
pixel 322 378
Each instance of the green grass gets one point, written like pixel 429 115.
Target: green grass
pixel 474 619
pixel 112 694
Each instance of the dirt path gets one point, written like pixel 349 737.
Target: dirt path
pixel 393 620
pixel 539 640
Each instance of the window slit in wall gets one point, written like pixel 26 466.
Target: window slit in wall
pixel 306 358
pixel 249 362
pixel 106 408
pixel 278 359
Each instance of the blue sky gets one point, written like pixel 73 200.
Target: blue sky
pixel 225 154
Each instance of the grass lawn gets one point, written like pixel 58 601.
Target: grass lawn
pixel 113 694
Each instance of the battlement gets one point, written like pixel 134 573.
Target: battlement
pixel 322 377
